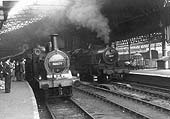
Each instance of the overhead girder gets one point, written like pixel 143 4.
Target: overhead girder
pixel 127 18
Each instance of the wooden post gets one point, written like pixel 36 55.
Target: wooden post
pixel 115 45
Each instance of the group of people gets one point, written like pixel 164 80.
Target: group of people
pixel 12 70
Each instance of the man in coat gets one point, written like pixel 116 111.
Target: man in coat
pixel 22 69
pixel 7 74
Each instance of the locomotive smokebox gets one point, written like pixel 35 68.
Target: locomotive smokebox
pixel 54 41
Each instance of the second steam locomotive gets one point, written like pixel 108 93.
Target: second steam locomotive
pixel 100 64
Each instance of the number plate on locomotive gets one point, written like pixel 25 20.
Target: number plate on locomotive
pixel 57 63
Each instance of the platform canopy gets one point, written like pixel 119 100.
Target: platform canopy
pixel 126 19
pixel 129 18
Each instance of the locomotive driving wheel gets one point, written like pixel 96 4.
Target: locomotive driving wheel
pixel 86 77
pixel 103 78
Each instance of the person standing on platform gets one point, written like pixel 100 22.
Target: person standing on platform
pixel 2 83
pixel 1 70
pixel 17 71
pixel 13 78
pixel 7 74
pixel 22 70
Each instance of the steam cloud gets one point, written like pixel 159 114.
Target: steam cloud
pixel 87 13
pixel 83 13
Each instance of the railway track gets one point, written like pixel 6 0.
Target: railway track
pixel 135 105
pixel 101 108
pixel 66 109
pixel 163 91
pixel 150 94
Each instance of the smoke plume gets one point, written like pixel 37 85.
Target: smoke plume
pixel 82 13
pixel 86 13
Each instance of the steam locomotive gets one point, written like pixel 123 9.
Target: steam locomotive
pixel 51 69
pixel 100 64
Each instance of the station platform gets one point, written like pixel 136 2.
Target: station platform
pixel 157 77
pixel 20 103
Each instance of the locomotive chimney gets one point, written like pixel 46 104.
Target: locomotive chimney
pixel 54 39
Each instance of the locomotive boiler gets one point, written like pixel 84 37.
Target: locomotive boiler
pixel 51 69
pixel 100 65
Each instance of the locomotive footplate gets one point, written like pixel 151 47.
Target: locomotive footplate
pixel 44 84
pixel 116 73
pixel 55 83
pixel 108 71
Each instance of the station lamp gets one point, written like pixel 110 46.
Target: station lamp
pixel 4 9
pixel 1 14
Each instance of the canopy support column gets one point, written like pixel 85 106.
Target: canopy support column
pixel 129 49
pixel 150 52
pixel 165 37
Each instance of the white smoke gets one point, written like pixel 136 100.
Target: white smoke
pixel 87 13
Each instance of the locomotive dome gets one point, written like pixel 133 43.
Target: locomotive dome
pixel 56 62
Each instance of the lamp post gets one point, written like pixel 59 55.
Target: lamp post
pixel 2 17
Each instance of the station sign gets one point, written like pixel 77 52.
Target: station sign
pixel 138 48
